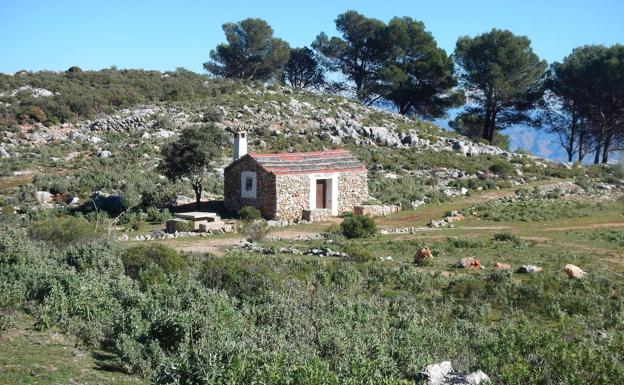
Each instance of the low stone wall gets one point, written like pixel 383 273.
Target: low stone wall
pixel 317 215
pixel 376 210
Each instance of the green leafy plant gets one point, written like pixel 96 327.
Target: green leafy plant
pixel 358 226
pixel 249 213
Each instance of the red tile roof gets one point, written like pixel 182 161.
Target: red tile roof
pixel 309 162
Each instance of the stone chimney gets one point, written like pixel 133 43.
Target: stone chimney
pixel 240 144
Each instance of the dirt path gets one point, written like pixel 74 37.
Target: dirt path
pixel 589 226
pixel 219 245
pixel 206 245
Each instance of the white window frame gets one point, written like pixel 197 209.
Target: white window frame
pixel 254 184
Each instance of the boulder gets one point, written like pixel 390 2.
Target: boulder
pixel 444 374
pixel 604 186
pixel 529 269
pixel 469 263
pixel 477 378
pixel 73 201
pixel 43 197
pixel 574 272
pixel 436 374
pixel 423 255
pixel 502 266
pixel 104 154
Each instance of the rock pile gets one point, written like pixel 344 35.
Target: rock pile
pixel 447 220
pixel 320 252
pixel 443 374
pixel 116 123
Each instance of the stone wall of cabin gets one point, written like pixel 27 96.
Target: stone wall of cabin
pixel 352 190
pixel 293 195
pixel 265 200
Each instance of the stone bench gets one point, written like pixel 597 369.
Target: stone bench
pixel 376 210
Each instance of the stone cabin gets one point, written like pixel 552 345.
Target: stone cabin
pixel 297 185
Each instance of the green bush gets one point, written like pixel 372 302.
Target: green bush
pixel 138 259
pixel 182 226
pixel 37 114
pixel 254 230
pixel 358 226
pixel 63 231
pixel 249 213
pixel 358 253
pixel 505 237
pixel 156 216
pixel 502 169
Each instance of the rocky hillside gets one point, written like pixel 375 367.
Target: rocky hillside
pixel 410 161
pixel 279 112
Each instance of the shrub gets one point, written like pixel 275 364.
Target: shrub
pixel 505 237
pixel 133 220
pixel 37 114
pixel 254 231
pixel 139 258
pixel 182 226
pixel 63 231
pixel 158 216
pixel 502 169
pixel 358 253
pixel 100 257
pixel 358 226
pixel 249 213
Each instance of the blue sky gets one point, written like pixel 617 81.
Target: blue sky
pixel 163 35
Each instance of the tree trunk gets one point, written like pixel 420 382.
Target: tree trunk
pixel 197 188
pixel 605 149
pixel 492 127
pixel 581 143
pixel 486 123
pixel 597 155
pixel 570 146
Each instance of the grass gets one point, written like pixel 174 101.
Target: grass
pixel 31 356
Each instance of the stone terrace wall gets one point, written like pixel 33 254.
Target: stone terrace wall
pixel 265 200
pixel 352 190
pixel 293 195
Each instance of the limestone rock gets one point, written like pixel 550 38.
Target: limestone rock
pixel 435 374
pixel 443 374
pixel 528 269
pixel 423 255
pixel 468 263
pixel 502 266
pixel 43 197
pixel 477 378
pixel 574 271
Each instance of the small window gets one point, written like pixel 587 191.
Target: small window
pixel 242 135
pixel 248 184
